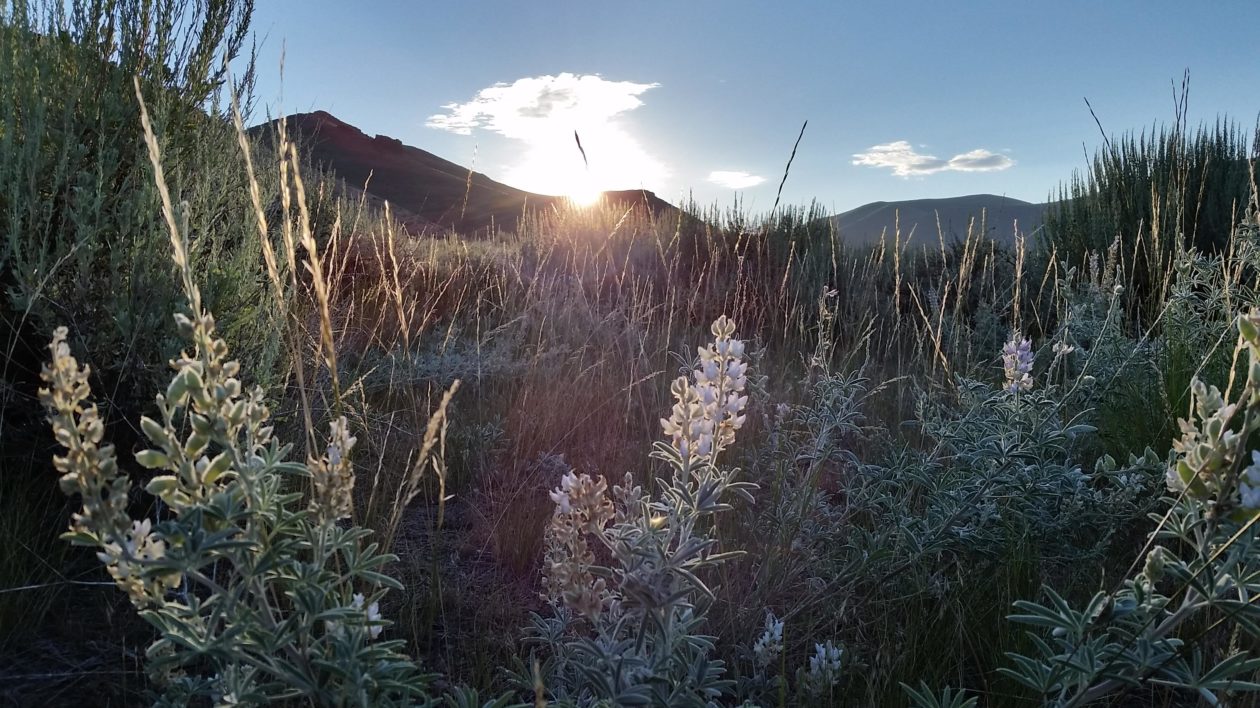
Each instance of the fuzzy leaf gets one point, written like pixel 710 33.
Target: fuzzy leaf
pixel 162 486
pixel 153 460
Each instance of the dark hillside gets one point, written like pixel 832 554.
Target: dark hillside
pixel 424 190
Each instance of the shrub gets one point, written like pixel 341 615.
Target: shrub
pixel 256 595
pixel 629 631
pixel 1159 193
pixel 80 222
pixel 79 210
pixel 1002 485
pixel 1184 619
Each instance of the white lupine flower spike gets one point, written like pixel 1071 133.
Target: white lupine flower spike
pixel 1017 363
pixel 709 407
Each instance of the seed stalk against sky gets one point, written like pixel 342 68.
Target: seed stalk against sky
pixel 904 101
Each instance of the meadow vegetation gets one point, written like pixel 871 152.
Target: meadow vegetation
pixel 606 457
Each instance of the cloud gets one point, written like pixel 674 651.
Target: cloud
pixel 533 104
pixel 543 113
pixel 735 179
pixel 905 162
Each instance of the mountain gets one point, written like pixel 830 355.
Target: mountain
pixel 866 224
pixel 425 191
pixel 428 193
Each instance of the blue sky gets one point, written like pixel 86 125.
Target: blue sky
pixel 904 100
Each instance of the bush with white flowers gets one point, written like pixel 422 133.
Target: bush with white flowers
pixel 624 573
pixel 257 596
pixel 1188 617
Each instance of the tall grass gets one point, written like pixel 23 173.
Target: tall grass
pixel 875 424
pixel 79 225
pixel 563 331
pixel 1158 192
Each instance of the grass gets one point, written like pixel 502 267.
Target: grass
pixel 564 334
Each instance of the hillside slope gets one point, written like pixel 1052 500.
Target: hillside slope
pixel 425 191
pixel 918 219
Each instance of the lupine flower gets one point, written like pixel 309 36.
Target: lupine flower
pixel 582 508
pixel 769 645
pixel 824 668
pixel 1017 363
pixel 1156 561
pixel 709 408
pixel 90 469
pixel 1206 447
pixel 826 658
pixel 372 615
pixel 560 495
pixel 373 612
pixel 1062 348
pixel 1249 487
pixel 646 590
pixel 332 478
pixel 125 563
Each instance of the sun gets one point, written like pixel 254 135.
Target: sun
pixel 583 195
pixel 556 167
pixel 552 164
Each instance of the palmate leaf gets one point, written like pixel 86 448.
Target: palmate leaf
pixel 923 697
pixel 1224 676
pixel 696 583
pixel 465 697
pixel 379 579
pixel 1086 658
pixel 1042 616
pixel 1032 673
pixel 1246 614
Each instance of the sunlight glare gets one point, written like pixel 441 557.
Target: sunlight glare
pixel 583 195
pixel 552 164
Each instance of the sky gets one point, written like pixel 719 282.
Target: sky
pixel 705 99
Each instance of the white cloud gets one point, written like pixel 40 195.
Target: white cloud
pixel 905 162
pixel 543 112
pixel 735 179
pixel 532 105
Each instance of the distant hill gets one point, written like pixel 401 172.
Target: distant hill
pixel 428 193
pixel 865 224
pixel 425 191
